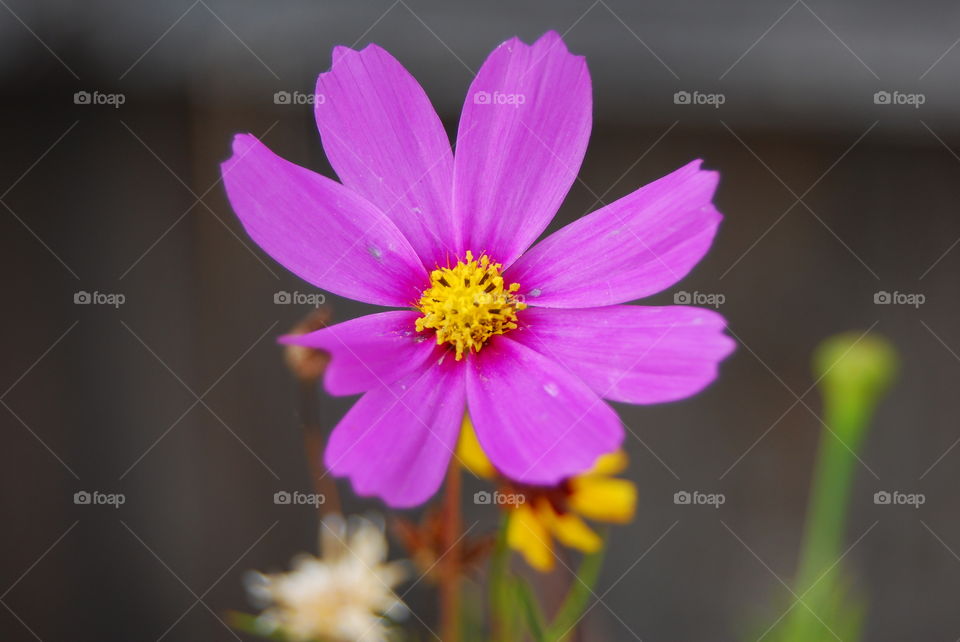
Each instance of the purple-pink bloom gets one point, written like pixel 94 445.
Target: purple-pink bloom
pixel 533 364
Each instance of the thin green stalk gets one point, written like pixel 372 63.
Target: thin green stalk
pixel 501 604
pixel 853 371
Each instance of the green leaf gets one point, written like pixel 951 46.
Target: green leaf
pixel 577 597
pixel 531 610
pixel 502 606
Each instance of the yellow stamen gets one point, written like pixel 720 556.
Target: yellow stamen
pixel 468 303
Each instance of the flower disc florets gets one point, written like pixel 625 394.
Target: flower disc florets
pixel 467 304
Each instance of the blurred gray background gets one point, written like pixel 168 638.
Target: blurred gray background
pixel 180 400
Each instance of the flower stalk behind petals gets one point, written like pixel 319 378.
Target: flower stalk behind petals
pixel 308 366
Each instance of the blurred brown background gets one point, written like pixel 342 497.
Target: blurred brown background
pixel 179 398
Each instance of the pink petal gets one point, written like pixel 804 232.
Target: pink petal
pixel 536 421
pixel 635 354
pixel 320 230
pixel 396 442
pixel 386 142
pixel 516 162
pixel 634 247
pixel 370 351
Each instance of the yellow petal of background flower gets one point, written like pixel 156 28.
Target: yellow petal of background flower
pixel 603 499
pixel 610 464
pixel 528 535
pixel 574 532
pixel 470 454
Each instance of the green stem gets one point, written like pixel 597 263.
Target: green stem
pixel 853 373
pixel 501 620
pixel 830 494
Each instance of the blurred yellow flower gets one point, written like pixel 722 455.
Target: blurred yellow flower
pixel 344 596
pixel 538 514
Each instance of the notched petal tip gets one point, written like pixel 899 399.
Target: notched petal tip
pixel 241 145
pixel 551 35
pixel 713 176
pixel 696 167
pixel 397 496
pixel 548 41
pixel 693 171
pixel 554 42
pixel 713 319
pixel 707 317
pixel 341 52
pixel 729 347
pixel 510 44
pixel 551 39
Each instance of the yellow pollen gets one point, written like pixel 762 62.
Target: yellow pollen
pixel 468 303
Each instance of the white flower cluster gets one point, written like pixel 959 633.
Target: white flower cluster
pixel 346 595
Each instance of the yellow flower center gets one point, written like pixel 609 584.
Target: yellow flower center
pixel 468 303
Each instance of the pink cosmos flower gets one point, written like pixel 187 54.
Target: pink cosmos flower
pixel 529 341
